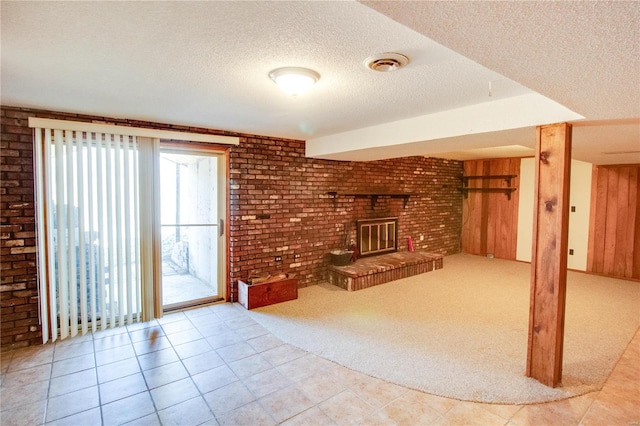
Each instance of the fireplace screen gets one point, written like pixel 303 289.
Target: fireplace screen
pixel 377 236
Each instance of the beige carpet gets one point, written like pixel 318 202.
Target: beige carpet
pixel 461 332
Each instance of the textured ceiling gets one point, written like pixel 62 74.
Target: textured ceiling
pixel 583 55
pixel 206 64
pixel 568 51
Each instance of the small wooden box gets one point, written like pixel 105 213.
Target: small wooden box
pixel 257 295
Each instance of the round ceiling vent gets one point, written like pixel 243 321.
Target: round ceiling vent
pixel 385 62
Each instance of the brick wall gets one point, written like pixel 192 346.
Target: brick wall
pixel 18 286
pixel 279 206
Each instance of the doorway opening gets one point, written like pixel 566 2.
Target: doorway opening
pixel 192 205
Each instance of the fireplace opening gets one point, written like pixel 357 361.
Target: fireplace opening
pixel 377 236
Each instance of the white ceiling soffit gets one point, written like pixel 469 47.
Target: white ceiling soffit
pixel 479 144
pixel 592 141
pixel 511 151
pixel 418 133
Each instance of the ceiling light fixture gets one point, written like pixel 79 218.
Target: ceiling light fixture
pixel 294 80
pixel 385 62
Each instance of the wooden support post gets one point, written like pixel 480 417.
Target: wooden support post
pixel 549 254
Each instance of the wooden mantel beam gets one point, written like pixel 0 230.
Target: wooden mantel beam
pixel 549 254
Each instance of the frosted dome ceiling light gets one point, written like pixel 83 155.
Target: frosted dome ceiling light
pixel 385 62
pixel 294 80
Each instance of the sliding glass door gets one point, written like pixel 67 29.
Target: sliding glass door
pixel 192 238
pixel 118 213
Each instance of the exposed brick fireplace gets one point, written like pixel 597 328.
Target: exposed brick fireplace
pixel 377 236
pixel 377 242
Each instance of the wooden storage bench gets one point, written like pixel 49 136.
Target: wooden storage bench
pixel 257 295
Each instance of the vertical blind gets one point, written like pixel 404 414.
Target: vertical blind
pixel 98 223
pixel 89 231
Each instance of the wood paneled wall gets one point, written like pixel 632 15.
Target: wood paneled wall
pixel 490 219
pixel 614 228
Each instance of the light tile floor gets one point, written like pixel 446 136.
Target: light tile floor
pixel 216 366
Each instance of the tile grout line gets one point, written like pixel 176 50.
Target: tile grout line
pixel 256 399
pixel 200 394
pixel 95 361
pixel 46 404
pixel 143 378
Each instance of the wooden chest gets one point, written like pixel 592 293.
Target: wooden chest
pixel 257 295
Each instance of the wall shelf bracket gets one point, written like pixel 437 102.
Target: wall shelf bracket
pixel 507 190
pixel 373 195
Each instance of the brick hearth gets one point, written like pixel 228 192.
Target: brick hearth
pixel 381 269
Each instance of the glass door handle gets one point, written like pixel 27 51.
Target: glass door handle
pixel 221 227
